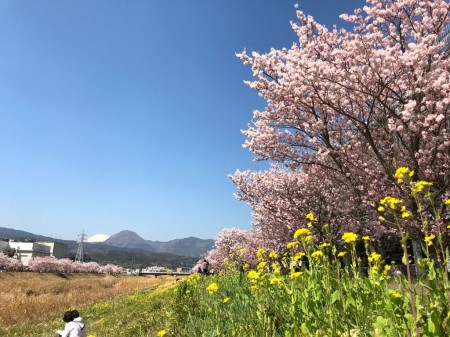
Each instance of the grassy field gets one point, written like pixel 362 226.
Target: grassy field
pixel 32 304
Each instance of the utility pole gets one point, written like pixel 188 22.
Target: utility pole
pixel 80 251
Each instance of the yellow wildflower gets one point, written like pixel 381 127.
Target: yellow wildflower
pixel 226 299
pixel 309 224
pixel 391 202
pixel 310 217
pixel 381 209
pixel 419 186
pixel 292 245
pixel 325 245
pixel 317 254
pixel 302 232
pixel 349 237
pixel 253 275
pixel 381 218
pixel 308 238
pixel 212 288
pixel 298 256
pixel 276 280
pixel 395 294
pixel 262 265
pixel 401 172
pixel 386 270
pixel 366 238
pixel 374 257
pixel 406 215
pixel 341 254
pixel 162 333
pixel 273 255
pixel 260 253
pixel 447 202
pixel 295 275
pixel 429 239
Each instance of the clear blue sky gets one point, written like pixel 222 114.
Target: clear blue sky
pixel 122 115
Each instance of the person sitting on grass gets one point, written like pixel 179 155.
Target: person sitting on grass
pixel 77 319
pixel 71 329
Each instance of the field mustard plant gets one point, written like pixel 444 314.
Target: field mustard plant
pixel 429 239
pixel 419 186
pixel 302 233
pixel 317 254
pixel 212 288
pixel 162 333
pixel 349 237
pixel 403 172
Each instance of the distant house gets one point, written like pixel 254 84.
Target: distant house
pixel 57 249
pixel 26 250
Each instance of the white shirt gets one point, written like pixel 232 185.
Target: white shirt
pixel 72 329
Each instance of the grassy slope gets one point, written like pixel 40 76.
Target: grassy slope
pixel 41 299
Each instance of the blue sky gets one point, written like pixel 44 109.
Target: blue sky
pixel 122 115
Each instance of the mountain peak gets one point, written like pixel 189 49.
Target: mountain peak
pixel 127 239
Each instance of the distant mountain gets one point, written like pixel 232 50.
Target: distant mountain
pixel 191 246
pixel 125 243
pixel 9 233
pixel 128 239
pixel 184 247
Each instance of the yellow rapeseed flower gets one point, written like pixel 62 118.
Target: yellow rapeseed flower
pixel 273 255
pixel 381 218
pixel 401 172
pixel 341 254
pixel 262 265
pixel 308 238
pixel 276 280
pixel 253 275
pixel 381 209
pixel 295 275
pixel 349 237
pixel 374 257
pixel 391 202
pixel 395 294
pixel 317 254
pixel 226 299
pixel 212 288
pixel 429 239
pixel 310 217
pixel 406 215
pixel 298 256
pixel 162 333
pixel 260 253
pixel 325 245
pixel 366 238
pixel 302 232
pixel 447 202
pixel 292 245
pixel 419 186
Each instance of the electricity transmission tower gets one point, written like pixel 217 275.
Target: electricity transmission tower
pixel 80 250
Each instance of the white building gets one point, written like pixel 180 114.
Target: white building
pixel 25 251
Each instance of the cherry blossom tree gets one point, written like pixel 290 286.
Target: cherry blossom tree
pixel 10 263
pixel 233 249
pixel 344 110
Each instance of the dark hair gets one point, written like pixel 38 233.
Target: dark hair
pixel 75 314
pixel 68 316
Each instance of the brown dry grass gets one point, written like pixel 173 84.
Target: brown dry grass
pixel 28 296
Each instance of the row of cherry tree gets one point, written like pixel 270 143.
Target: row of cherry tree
pixel 48 264
pixel 345 109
